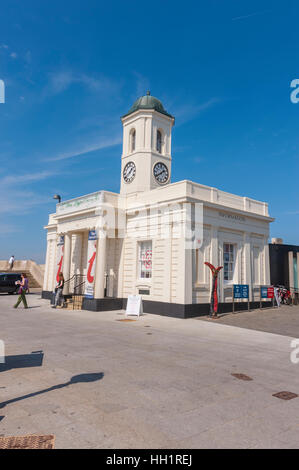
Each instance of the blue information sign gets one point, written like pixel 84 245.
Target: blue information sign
pixel 92 235
pixel 264 292
pixel 241 291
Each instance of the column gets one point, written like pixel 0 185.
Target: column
pixel 45 284
pixel 247 264
pixel 214 247
pixel 184 275
pixel 120 274
pixel 52 263
pixel 188 275
pixel 76 254
pixel 267 278
pixel 168 265
pixel 100 265
pixel 67 261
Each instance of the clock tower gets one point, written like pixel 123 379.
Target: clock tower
pixel 146 155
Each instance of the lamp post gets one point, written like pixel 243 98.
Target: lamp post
pixel 56 196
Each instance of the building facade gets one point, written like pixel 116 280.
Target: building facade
pixel 284 262
pixel 154 237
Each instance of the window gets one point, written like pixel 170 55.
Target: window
pixel 159 141
pixel 145 260
pixel 228 261
pixel 132 140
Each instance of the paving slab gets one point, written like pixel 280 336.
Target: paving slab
pixel 170 389
pixel 283 320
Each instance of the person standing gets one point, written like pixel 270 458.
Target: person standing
pixel 22 291
pixel 59 287
pixel 277 295
pixel 11 261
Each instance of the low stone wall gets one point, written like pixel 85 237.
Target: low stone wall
pixel 34 271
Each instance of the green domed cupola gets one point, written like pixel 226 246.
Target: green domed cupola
pixel 148 102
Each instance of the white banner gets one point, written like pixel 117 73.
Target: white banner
pixel 91 261
pixel 59 257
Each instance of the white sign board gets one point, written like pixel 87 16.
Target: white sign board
pixel 79 204
pixel 134 305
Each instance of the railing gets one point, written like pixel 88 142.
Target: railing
pixel 76 284
pixel 79 288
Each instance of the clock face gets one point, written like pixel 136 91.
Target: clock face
pixel 129 172
pixel 161 173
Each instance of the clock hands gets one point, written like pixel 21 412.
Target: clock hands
pixel 129 172
pixel 161 172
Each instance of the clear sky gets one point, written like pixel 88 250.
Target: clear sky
pixel 73 67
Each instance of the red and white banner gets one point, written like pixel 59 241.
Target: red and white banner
pixel 59 257
pixel 91 264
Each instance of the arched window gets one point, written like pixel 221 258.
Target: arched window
pixel 132 140
pixel 159 141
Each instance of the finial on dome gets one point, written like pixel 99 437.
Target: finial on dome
pixel 148 93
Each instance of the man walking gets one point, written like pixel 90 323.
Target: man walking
pixel 11 261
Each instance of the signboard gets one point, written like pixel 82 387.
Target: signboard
pixel 241 291
pixel 134 305
pixel 59 256
pixel 79 204
pixel 267 292
pixel 91 260
pixel 234 217
pixel 270 292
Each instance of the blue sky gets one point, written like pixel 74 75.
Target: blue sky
pixel 72 68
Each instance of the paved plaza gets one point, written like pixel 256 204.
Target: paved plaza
pixel 281 321
pixel 157 382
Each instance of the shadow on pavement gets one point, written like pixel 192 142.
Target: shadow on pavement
pixel 82 378
pixel 2 417
pixel 35 359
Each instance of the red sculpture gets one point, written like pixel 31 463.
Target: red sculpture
pixel 214 296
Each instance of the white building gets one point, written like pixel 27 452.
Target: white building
pixel 143 245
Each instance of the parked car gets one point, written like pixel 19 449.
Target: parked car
pixel 8 282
